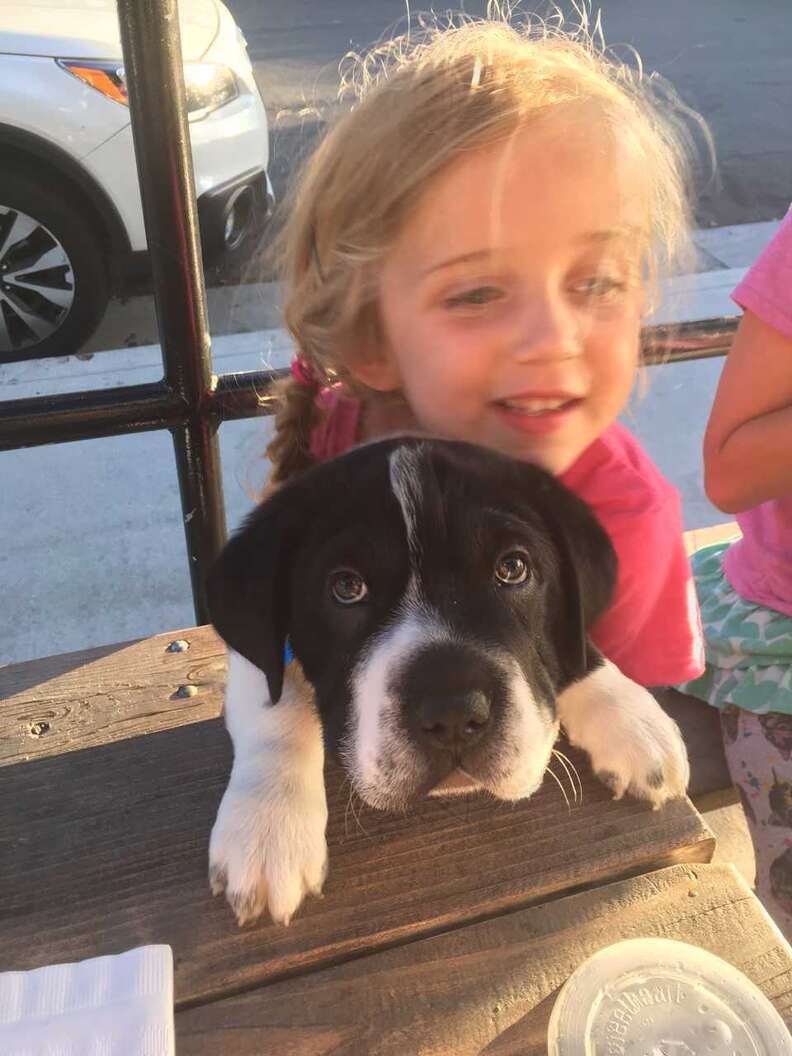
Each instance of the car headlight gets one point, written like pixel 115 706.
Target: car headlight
pixel 208 86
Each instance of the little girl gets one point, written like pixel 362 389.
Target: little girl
pixel 745 588
pixel 468 254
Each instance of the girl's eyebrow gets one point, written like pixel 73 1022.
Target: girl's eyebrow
pixel 612 234
pixel 463 258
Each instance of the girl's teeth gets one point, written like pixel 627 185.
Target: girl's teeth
pixel 537 406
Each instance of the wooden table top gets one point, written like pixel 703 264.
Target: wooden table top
pixel 452 926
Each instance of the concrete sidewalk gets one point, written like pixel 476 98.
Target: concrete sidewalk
pixel 93 547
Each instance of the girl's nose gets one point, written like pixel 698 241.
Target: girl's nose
pixel 547 329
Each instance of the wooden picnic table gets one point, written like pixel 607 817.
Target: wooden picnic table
pixel 446 931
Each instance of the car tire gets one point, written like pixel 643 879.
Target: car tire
pixel 54 285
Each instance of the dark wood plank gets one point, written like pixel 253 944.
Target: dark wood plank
pixel 489 988
pixel 710 782
pixel 105 848
pixel 100 696
pixel 97 696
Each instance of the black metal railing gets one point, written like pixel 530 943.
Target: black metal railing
pixel 190 400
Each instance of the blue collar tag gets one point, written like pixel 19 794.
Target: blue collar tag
pixel 288 653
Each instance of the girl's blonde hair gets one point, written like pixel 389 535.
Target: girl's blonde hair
pixel 421 100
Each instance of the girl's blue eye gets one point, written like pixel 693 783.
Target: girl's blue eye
pixel 479 296
pixel 599 286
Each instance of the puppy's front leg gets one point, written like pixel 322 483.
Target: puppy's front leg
pixel 634 746
pixel 268 847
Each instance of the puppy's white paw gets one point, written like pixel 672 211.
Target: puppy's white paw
pixel 268 849
pixel 643 755
pixel 634 746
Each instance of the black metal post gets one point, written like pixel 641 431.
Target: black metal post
pixel 152 55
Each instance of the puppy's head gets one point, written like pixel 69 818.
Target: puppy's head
pixel 437 596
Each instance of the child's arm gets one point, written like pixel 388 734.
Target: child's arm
pixel 748 442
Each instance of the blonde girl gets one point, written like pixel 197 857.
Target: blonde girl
pixel 470 253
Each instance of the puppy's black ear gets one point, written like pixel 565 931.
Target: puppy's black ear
pixel 248 590
pixel 588 574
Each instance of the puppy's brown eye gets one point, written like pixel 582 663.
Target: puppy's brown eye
pixel 347 587
pixel 512 569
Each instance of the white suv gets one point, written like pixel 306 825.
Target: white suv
pixel 71 223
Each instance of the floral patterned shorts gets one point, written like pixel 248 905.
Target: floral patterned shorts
pixel 749 678
pixel 759 753
pixel 748 647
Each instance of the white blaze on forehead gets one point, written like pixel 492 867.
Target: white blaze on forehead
pixel 405 479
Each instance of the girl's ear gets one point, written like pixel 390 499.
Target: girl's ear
pixel 376 370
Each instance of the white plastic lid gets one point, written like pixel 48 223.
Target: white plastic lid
pixel 656 997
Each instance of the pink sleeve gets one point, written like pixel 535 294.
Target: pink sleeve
pixel 652 630
pixel 766 290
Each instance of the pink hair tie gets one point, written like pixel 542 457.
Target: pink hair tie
pixel 302 371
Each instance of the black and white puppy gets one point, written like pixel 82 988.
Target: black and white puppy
pixel 436 598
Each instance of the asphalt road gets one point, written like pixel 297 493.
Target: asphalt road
pixel 728 59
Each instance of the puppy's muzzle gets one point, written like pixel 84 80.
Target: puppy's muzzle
pixel 451 696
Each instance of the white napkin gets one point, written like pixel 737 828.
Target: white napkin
pixel 106 1006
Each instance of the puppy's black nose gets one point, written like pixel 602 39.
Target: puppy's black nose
pixel 456 719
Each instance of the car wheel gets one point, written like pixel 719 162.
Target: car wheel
pixel 53 272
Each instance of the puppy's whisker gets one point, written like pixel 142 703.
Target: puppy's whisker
pixel 575 770
pixel 569 767
pixel 572 785
pixel 348 805
pixel 352 797
pixel 558 782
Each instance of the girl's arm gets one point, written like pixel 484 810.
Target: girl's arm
pixel 748 442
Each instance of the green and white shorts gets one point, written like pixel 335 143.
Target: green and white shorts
pixel 748 647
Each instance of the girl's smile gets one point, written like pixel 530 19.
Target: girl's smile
pixel 534 414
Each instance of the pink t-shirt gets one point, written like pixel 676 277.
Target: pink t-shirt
pixel 759 566
pixel 652 630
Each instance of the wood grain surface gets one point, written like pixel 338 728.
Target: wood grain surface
pixel 105 848
pixel 489 988
pixel 112 764
pixel 100 696
pixel 97 696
